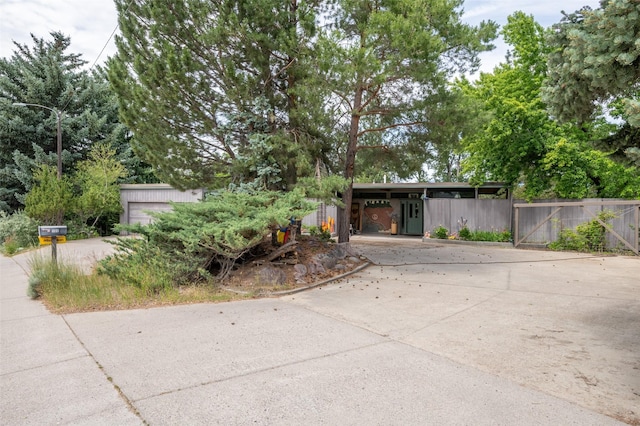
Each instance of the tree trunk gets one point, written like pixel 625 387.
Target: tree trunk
pixel 349 168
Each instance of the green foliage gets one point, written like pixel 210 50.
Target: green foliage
pixel 97 181
pixel 515 137
pixel 144 266
pixel 594 62
pixel 521 144
pixel 441 232
pixel 196 240
pixel 47 74
pixel 465 233
pixel 380 63
pixel 17 231
pixel 595 57
pixel 322 234
pixel 213 88
pixel 587 237
pixel 490 236
pixel 49 198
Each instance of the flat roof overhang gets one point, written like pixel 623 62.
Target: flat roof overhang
pixel 426 185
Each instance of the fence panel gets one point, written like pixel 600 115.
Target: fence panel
pixel 485 215
pixel 542 224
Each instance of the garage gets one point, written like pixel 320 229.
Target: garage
pixel 139 212
pixel 138 200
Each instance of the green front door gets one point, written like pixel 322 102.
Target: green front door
pixel 412 217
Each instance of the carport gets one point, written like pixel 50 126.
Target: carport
pixel 413 208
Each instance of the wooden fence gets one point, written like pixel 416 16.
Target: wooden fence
pixel 542 221
pixel 479 214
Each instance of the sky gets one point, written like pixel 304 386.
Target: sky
pixel 90 23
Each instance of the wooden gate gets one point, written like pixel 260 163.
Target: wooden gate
pixel 632 242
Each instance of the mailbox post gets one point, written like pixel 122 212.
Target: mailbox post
pixel 53 232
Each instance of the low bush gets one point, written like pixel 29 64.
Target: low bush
pixel 464 234
pixel 318 232
pixel 197 241
pixel 586 237
pixel 441 232
pixel 489 236
pixel 17 231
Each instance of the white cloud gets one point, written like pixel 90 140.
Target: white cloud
pixel 90 23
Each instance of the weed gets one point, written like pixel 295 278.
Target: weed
pixel 441 232
pixel 465 233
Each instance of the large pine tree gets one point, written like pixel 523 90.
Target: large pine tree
pixel 210 89
pixel 385 61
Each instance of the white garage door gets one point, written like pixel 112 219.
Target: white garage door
pixel 138 211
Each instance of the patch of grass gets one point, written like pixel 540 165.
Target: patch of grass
pixel 490 236
pixel 64 288
pixel 10 246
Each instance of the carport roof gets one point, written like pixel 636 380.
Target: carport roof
pixel 427 185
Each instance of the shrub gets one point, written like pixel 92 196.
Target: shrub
pixel 17 231
pixel 321 234
pixel 143 265
pixel 587 237
pixel 197 239
pixel 441 232
pixel 465 234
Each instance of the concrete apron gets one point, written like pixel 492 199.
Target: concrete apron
pixel 432 335
pixel 565 324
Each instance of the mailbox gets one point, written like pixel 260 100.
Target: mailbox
pixel 52 231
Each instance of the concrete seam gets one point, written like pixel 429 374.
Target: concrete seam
pixel 117 388
pixel 42 365
pixel 262 370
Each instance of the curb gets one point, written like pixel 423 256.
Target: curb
pixel 467 243
pixel 309 287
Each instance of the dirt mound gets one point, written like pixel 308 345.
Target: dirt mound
pixel 308 261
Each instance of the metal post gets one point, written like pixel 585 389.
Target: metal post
pixel 54 249
pixel 516 227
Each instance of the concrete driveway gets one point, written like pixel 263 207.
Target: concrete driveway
pixel 433 334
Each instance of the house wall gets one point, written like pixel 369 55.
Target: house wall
pixel 137 199
pixel 479 214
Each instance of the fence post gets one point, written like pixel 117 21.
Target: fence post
pixel 516 226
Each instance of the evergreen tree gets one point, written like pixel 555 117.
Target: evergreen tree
pixel 596 58
pixel 207 87
pixel 382 63
pixel 47 75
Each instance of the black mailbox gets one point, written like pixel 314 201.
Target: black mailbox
pixel 52 231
